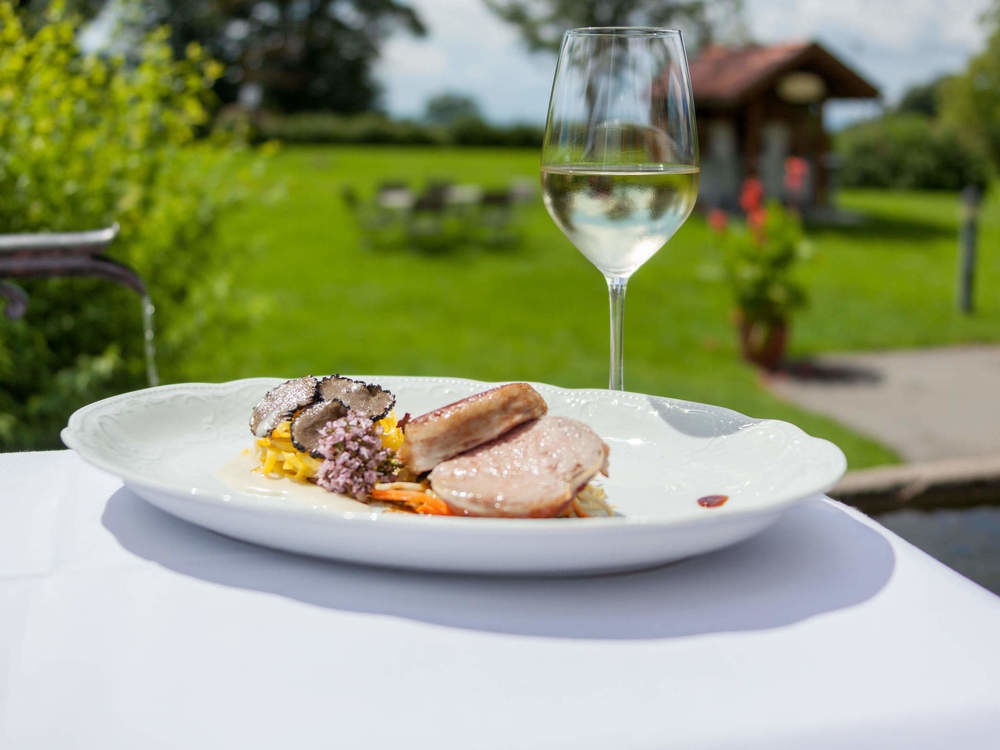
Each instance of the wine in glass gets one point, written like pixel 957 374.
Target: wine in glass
pixel 620 154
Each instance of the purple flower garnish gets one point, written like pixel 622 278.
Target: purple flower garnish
pixel 355 460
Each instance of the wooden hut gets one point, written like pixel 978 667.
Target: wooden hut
pixel 757 106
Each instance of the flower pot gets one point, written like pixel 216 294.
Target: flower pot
pixel 762 342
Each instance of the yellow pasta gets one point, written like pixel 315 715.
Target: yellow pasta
pixel 277 456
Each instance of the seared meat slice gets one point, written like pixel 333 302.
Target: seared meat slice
pixel 534 470
pixel 457 427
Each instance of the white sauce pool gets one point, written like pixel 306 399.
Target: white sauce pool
pixel 238 474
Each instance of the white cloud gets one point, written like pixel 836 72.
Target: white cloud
pixel 475 54
pixel 412 58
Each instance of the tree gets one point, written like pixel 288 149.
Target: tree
pixel 291 54
pixel 300 54
pixel 449 108
pixel 922 98
pixel 970 101
pixel 542 22
pixel 32 14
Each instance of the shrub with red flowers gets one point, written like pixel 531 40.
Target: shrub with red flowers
pixel 760 257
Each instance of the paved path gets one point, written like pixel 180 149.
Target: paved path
pixel 927 404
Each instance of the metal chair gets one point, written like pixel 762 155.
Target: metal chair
pixel 55 254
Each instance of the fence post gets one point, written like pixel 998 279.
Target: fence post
pixel 971 197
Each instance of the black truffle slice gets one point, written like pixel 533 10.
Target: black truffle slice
pixel 308 422
pixel 281 402
pixel 371 400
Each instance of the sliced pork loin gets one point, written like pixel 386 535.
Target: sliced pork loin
pixel 438 435
pixel 534 470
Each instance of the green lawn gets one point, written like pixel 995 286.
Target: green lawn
pixel 539 311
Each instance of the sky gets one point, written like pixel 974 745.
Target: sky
pixel 892 43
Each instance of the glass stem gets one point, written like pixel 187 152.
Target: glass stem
pixel 616 298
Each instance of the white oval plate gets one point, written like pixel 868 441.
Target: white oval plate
pixel 169 443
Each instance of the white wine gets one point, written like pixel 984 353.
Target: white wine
pixel 618 217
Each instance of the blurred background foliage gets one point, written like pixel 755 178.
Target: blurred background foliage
pixel 151 130
pixel 86 141
pixel 944 134
pixel 970 100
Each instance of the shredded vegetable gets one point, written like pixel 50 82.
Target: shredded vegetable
pixel 421 500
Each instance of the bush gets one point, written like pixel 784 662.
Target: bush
pixel 473 131
pixel 908 152
pixel 326 127
pixel 84 142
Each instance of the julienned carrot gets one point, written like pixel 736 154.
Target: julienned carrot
pixel 434 506
pixel 421 502
pixel 398 496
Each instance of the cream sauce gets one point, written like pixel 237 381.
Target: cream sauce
pixel 238 474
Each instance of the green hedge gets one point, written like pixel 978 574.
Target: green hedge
pixel 907 152
pixel 325 127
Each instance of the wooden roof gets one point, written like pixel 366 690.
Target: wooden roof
pixel 729 76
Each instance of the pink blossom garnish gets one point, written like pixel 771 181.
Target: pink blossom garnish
pixel 355 460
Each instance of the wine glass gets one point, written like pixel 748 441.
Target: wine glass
pixel 620 155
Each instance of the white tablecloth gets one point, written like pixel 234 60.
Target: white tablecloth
pixel 122 627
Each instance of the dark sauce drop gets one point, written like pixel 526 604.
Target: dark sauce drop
pixel 712 501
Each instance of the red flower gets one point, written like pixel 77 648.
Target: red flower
pixel 796 171
pixel 752 194
pixel 717 220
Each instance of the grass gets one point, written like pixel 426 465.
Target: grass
pixel 891 282
pixel 538 311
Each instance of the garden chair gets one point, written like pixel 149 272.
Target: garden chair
pixel 50 254
pixel 495 215
pixel 62 254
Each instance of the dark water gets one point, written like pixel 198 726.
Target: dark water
pixel 965 540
